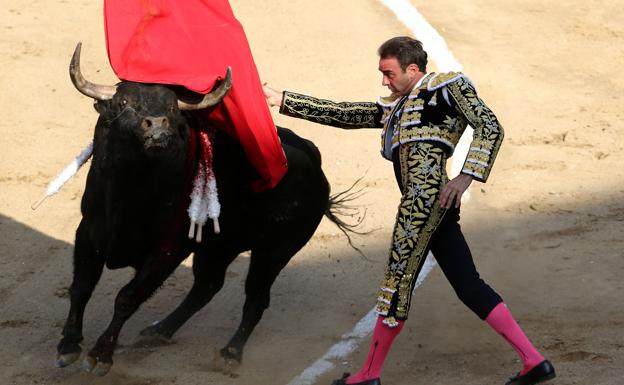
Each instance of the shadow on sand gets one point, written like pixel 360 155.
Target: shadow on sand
pixel 560 268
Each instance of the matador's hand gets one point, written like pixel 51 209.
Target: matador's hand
pixel 453 191
pixel 273 97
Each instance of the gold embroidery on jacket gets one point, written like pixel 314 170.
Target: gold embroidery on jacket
pixel 442 79
pixel 488 133
pixel 411 127
pixel 345 115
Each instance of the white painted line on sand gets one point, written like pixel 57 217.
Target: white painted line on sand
pixel 438 51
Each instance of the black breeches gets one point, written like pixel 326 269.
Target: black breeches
pixel 453 255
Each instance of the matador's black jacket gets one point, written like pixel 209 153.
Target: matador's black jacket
pixel 438 109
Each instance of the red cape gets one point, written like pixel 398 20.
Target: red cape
pixel 191 43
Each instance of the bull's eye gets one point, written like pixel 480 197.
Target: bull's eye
pixel 123 103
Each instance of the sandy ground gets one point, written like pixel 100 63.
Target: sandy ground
pixel 546 231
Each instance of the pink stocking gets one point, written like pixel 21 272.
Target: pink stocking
pixel 501 320
pixel 383 336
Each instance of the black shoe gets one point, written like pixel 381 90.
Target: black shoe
pixel 544 371
pixel 343 381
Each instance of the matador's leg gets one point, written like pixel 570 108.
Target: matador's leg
pixel 419 214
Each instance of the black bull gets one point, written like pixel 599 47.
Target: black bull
pixel 134 214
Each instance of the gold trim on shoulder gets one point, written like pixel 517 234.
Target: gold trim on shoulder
pixel 444 78
pixel 387 101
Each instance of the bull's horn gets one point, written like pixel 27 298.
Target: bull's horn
pixel 213 97
pixel 85 87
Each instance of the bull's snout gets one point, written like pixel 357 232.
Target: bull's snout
pixel 156 131
pixel 155 122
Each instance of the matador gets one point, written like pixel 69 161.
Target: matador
pixel 422 121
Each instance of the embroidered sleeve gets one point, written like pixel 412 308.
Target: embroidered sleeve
pixel 344 115
pixel 488 133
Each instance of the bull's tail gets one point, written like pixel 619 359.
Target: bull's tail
pixel 338 207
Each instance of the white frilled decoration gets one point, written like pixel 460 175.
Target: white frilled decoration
pixel 65 175
pixel 204 197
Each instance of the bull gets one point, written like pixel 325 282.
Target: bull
pixel 134 214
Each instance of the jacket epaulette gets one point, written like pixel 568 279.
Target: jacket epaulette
pixel 442 79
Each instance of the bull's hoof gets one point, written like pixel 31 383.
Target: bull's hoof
pixel 63 360
pixel 67 352
pixel 91 365
pixel 224 363
pixel 152 330
pixel 152 336
pixel 88 363
pixel 101 369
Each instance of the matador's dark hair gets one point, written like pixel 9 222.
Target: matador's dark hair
pixel 407 51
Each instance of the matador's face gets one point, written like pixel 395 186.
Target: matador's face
pixel 399 82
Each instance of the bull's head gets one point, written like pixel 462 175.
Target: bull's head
pixel 150 111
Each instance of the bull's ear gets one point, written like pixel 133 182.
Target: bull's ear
pixel 101 106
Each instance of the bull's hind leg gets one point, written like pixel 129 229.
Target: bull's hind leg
pixel 88 267
pixel 209 275
pixel 147 279
pixel 263 270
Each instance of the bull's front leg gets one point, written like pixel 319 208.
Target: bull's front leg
pixel 149 277
pixel 88 266
pixel 263 270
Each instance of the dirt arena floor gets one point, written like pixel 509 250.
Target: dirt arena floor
pixel 547 230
